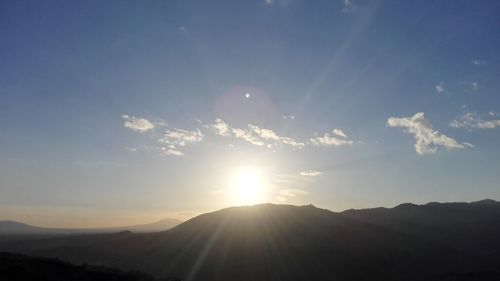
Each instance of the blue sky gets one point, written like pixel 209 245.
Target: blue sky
pixel 118 108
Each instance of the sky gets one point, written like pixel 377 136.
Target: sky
pixel 124 112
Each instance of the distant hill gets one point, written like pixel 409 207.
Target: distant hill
pixel 436 241
pixel 16 228
pixel 15 267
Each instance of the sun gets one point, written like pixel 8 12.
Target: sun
pixel 247 186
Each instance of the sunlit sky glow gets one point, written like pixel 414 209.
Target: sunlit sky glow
pixel 123 112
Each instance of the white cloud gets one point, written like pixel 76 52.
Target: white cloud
pixel 181 137
pixel 474 86
pixel 174 138
pixel 136 124
pixel 289 117
pixel 348 6
pixel 310 173
pixel 283 3
pixel 427 140
pixel 440 88
pixel 246 136
pixel 171 151
pixel 221 128
pixel 337 139
pixel 478 62
pixel 471 121
pixel 253 134
pixel 339 133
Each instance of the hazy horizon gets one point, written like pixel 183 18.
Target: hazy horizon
pixel 127 112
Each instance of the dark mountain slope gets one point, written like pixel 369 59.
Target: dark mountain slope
pixel 15 267
pixel 264 242
pixel 473 227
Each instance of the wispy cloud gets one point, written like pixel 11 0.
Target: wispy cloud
pixel 277 2
pixel 427 139
pixel 310 173
pixel 285 194
pixel 172 139
pixel 253 134
pixel 336 138
pixel 137 124
pixel 440 88
pixel 348 6
pixel 175 138
pixel 181 137
pixel 171 151
pixel 474 86
pixel 471 121
pixel 478 61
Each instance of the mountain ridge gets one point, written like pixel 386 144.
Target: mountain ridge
pixel 286 242
pixel 10 227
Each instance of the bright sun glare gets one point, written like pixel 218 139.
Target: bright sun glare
pixel 247 185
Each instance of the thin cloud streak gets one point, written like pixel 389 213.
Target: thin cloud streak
pixel 336 138
pixel 310 173
pixel 471 121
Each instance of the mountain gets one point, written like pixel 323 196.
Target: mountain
pixel 15 267
pixel 18 228
pixel 471 226
pixel 436 241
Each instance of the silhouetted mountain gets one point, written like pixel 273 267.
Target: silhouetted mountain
pixel 13 227
pixel 17 228
pixel 15 267
pixel 471 226
pixel 282 242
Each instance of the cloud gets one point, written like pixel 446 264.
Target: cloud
pixel 474 86
pixel 337 139
pixel 478 62
pixel 181 137
pixel 277 2
pixel 221 128
pixel 285 194
pixel 427 140
pixel 246 136
pixel 339 133
pixel 349 6
pixel 253 134
pixel 171 152
pixel 310 173
pixel 140 125
pixel 440 88
pixel 172 139
pixel 471 121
